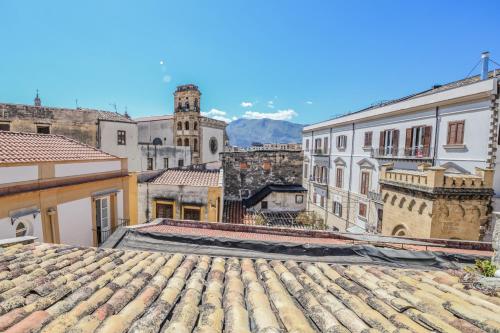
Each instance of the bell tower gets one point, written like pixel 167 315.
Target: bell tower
pixel 187 119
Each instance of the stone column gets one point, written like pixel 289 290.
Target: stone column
pixel 496 239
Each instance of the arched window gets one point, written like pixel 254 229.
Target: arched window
pixel 186 125
pixel 186 142
pixel 195 145
pixel 196 103
pixel 195 126
pixel 187 104
pixel 179 142
pixel 400 230
pixel 157 142
pixel 179 126
pixel 21 229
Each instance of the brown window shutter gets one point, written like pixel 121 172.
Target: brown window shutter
pixel 427 140
pixel 409 132
pixel 395 142
pixel 452 133
pixel 381 142
pixel 460 132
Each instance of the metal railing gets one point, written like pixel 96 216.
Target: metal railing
pixel 104 233
pixel 307 220
pixel 422 153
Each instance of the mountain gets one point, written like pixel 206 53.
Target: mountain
pixel 243 132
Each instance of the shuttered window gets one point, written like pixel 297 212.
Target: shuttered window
pixel 368 139
pixel 341 141
pixel 418 141
pixel 362 209
pixel 456 132
pixel 325 145
pixel 365 182
pixel 339 179
pixel 337 208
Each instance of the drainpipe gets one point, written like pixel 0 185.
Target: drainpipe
pixel 436 137
pixel 328 177
pixel 350 180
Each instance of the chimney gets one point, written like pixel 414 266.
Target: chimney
pixel 485 56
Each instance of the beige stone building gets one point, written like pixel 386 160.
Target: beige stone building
pixel 430 203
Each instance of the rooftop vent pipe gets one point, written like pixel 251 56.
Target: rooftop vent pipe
pixel 485 57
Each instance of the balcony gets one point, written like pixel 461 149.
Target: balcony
pixel 414 153
pixel 321 152
pixel 319 181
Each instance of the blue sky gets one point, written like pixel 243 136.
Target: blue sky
pixel 304 61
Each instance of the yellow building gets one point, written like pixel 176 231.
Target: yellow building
pixel 429 203
pixel 182 194
pixel 62 191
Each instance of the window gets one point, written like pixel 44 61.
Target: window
pixel 180 163
pixel 337 208
pixel 195 126
pixel 150 163
pixel 4 127
pixel 299 198
pixel 368 139
pixel 418 141
pixel 193 214
pixel 322 201
pixel 186 142
pixel 362 209
pixel 365 182
pixel 179 142
pixel 21 230
pixel 179 126
pixel 307 144
pixel 339 179
pixel 325 145
pixel 122 139
pixel 324 175
pixel 389 142
pixel 186 125
pixel 195 145
pixel 43 129
pixel 341 142
pixel 263 205
pixel 165 163
pixel 164 210
pixel 213 145
pixel 317 145
pixel 456 132
pixel 102 217
pixel 306 170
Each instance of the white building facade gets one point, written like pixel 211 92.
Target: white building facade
pixel 454 126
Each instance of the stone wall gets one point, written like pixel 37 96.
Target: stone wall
pixel 80 125
pixel 247 172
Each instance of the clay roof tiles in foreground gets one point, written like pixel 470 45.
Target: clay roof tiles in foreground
pixel 57 288
pixel 18 147
pixel 212 178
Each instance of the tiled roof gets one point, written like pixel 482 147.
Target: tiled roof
pixel 210 178
pixel 154 118
pixel 18 147
pixel 56 288
pixel 113 116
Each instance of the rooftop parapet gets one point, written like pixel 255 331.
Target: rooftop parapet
pixel 428 177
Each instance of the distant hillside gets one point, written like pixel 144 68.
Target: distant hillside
pixel 243 132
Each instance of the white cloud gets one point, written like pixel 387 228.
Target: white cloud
pixel 218 114
pixel 278 115
pixel 270 104
pixel 167 78
pixel 246 104
pixel 309 102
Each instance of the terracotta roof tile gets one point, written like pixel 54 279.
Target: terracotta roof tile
pixel 18 147
pixel 137 291
pixel 212 178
